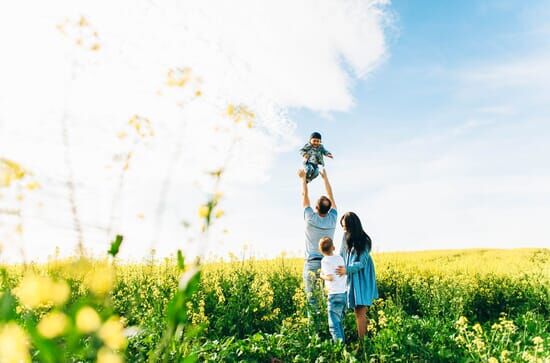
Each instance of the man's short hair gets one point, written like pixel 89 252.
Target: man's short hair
pixel 325 244
pixel 323 205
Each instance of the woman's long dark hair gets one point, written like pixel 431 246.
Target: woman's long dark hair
pixel 355 236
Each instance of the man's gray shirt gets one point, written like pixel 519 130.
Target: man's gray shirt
pixel 316 228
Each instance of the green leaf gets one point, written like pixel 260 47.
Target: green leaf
pixel 181 260
pixel 192 358
pixel 7 306
pixel 115 245
pixel 193 285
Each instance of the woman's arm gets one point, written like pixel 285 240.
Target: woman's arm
pixel 357 265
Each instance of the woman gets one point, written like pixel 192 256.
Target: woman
pixel 361 279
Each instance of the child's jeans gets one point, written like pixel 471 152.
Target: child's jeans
pixel 336 306
pixel 312 171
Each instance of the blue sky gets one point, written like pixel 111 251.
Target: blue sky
pixel 436 112
pixel 426 120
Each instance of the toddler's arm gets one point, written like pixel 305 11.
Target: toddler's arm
pixel 304 151
pixel 325 152
pixel 327 277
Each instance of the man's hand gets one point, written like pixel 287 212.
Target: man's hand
pixel 340 270
pixel 329 155
pixel 323 173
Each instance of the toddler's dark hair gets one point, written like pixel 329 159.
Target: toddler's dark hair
pixel 325 244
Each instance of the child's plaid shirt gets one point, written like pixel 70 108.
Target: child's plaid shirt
pixel 314 154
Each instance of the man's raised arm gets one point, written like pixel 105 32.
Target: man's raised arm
pixel 305 196
pixel 328 187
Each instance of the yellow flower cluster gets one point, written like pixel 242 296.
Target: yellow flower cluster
pixel 240 114
pixel 36 291
pixel 178 77
pixel 142 126
pixel 10 171
pixel 81 32
pixel 101 279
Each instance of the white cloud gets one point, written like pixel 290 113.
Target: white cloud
pixel 267 55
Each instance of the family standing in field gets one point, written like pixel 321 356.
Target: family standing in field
pixel 349 277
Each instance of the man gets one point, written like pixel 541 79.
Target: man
pixel 319 223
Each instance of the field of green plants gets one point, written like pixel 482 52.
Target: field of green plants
pixel 470 305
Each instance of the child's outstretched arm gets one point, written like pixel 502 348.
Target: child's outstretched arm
pixel 327 153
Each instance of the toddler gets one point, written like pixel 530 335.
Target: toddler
pixel 336 286
pixel 313 153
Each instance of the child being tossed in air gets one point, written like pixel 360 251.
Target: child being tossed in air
pixel 313 153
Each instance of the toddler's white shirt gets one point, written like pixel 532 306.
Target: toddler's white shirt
pixel 328 267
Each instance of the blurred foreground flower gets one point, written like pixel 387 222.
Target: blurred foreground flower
pixel 35 291
pixel 240 114
pixel 142 126
pixel 112 333
pixel 178 77
pixel 100 280
pixel 14 344
pixel 204 211
pixel 87 320
pixel 105 355
pixel 53 324
pixel 10 171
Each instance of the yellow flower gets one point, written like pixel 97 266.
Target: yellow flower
pixel 9 172
pixel 504 355
pixel 112 333
pixel 477 328
pixel 462 321
pixel 105 355
pixel 32 185
pixel 492 360
pixel 60 292
pixel 101 280
pixel 219 213
pixel 87 320
pixel 34 291
pixel 217 196
pixel 230 110
pixel 178 77
pixel 204 211
pixel 83 22
pixel 53 324
pixel 14 344
pixel 537 340
pixel 382 321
